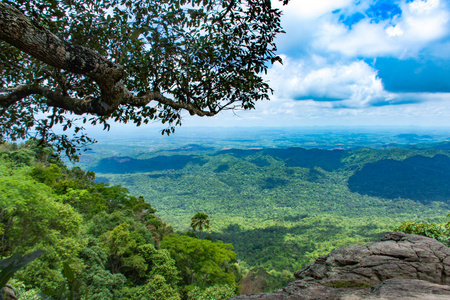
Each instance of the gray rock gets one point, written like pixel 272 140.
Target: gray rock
pixel 410 289
pixel 401 266
pixel 398 255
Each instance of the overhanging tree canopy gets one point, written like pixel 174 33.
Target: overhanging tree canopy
pixel 129 61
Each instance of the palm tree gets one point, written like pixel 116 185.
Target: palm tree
pixel 201 221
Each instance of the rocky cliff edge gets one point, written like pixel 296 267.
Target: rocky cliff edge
pixel 400 266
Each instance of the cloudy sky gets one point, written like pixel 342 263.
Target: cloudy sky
pixel 356 62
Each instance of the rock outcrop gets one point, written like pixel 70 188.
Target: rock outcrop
pixel 401 266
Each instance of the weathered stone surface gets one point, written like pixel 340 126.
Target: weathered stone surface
pixel 401 266
pixel 391 289
pixel 398 255
pixel 410 289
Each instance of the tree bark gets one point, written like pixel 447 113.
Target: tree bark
pixel 32 38
pixel 21 32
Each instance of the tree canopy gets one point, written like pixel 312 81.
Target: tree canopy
pixel 68 63
pixel 200 221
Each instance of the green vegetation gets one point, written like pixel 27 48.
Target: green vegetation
pixel 11 265
pixel 438 231
pixel 246 219
pixel 419 178
pixel 200 221
pixel 282 208
pixel 204 262
pixel 96 241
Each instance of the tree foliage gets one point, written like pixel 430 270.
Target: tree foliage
pixel 215 292
pixel 129 61
pixel 99 241
pixel 32 214
pixel 10 265
pixel 438 231
pixel 200 221
pixel 267 201
pixel 204 262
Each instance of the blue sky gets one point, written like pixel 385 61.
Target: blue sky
pixel 356 63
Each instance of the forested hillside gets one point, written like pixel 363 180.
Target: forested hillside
pixel 424 179
pixel 230 209
pixel 282 208
pixel 279 208
pixel 100 242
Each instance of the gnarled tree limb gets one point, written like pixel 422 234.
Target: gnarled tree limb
pixel 89 105
pixel 29 37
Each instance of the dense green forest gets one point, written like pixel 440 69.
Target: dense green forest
pixel 282 208
pixel 204 221
pixel 419 178
pixel 270 213
pixel 99 241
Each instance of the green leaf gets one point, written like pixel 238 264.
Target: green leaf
pixel 68 272
pixel 14 263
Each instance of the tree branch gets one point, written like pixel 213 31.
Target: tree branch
pixel 32 38
pixel 52 98
pixel 158 97
pixel 29 37
pixel 92 105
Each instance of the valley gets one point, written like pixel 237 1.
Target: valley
pixel 282 201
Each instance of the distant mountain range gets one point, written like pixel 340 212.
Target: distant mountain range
pixel 417 177
pixel 420 178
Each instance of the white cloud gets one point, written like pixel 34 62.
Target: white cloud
pixel 313 26
pixel 352 84
pixel 310 9
pixel 365 38
pixel 394 31
pixel 323 61
pixel 435 98
pixel 425 21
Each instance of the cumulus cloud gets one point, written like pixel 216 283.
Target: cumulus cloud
pixel 364 39
pixel 425 21
pixel 403 35
pixel 328 44
pixel 350 84
pixel 369 28
pixel 362 62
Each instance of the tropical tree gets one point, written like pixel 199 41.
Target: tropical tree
pixel 129 61
pixel 215 292
pixel 202 262
pixel 200 221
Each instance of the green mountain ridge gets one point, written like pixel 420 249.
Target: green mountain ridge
pixel 283 207
pixel 126 164
pixel 418 178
